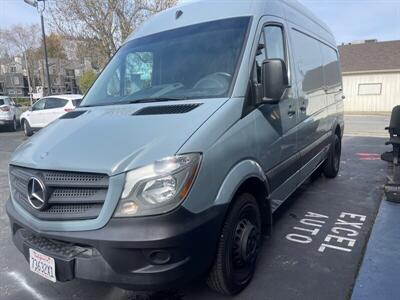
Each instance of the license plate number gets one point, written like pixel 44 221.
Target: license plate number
pixel 42 264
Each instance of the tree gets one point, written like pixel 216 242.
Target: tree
pixel 55 48
pixel 106 23
pixel 20 38
pixel 86 80
pixel 25 41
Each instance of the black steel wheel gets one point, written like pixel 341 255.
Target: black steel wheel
pixel 238 247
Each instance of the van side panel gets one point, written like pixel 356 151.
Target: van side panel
pixel 318 82
pixel 253 138
pixel 313 112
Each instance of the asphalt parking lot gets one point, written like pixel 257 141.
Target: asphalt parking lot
pixel 308 257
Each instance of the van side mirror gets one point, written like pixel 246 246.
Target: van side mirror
pixel 30 108
pixel 275 80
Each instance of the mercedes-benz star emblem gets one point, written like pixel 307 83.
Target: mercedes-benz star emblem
pixel 37 193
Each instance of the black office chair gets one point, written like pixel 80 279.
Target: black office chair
pixel 394 132
pixel 392 187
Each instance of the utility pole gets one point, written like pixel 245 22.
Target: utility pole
pixel 41 9
pixel 29 79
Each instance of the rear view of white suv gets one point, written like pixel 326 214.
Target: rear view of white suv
pixel 9 113
pixel 46 110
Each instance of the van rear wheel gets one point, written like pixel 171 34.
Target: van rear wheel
pixel 238 247
pixel 330 168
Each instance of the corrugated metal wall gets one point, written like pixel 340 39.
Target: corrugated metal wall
pixel 389 96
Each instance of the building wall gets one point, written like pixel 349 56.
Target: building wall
pixel 362 91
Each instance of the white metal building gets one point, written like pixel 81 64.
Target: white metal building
pixel 371 75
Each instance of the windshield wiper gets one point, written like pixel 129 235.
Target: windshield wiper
pixel 155 99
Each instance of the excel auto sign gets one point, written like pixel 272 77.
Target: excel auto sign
pixel 342 236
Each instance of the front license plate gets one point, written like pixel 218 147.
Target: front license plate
pixel 42 264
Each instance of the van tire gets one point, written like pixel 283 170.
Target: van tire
pixel 238 247
pixel 331 166
pixel 27 128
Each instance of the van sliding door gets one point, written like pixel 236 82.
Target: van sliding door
pixel 313 114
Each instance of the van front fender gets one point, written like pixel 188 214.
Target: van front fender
pixel 237 175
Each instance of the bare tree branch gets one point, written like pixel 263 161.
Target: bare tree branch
pixel 106 22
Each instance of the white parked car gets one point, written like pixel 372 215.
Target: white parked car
pixel 9 113
pixel 46 110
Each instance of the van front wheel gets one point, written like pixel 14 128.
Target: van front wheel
pixel 238 247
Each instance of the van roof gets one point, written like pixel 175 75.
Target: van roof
pixel 199 11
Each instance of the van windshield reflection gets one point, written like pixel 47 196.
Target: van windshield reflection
pixel 197 61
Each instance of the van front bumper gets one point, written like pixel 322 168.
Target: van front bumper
pixel 148 253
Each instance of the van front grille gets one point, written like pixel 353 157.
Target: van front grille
pixel 70 195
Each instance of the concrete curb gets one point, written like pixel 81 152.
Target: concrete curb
pixel 378 277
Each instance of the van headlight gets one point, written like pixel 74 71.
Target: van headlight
pixel 159 187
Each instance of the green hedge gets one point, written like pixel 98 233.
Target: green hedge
pixel 23 101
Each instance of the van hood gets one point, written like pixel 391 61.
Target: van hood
pixel 113 139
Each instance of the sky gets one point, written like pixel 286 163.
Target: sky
pixel 349 20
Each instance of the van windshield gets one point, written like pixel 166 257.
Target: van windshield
pixel 197 61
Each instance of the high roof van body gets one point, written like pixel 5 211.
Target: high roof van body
pixel 206 119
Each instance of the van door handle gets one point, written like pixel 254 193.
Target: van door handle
pixel 291 112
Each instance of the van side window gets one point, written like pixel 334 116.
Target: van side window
pixel 271 46
pixel 331 68
pixel 308 59
pixel 260 57
pixel 274 42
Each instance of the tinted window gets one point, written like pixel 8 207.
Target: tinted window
pixel 308 59
pixel 1 102
pixel 331 67
pixel 197 61
pixel 274 42
pixel 39 105
pixel 55 103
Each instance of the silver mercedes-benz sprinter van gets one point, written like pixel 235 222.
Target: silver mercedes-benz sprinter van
pixel 206 119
